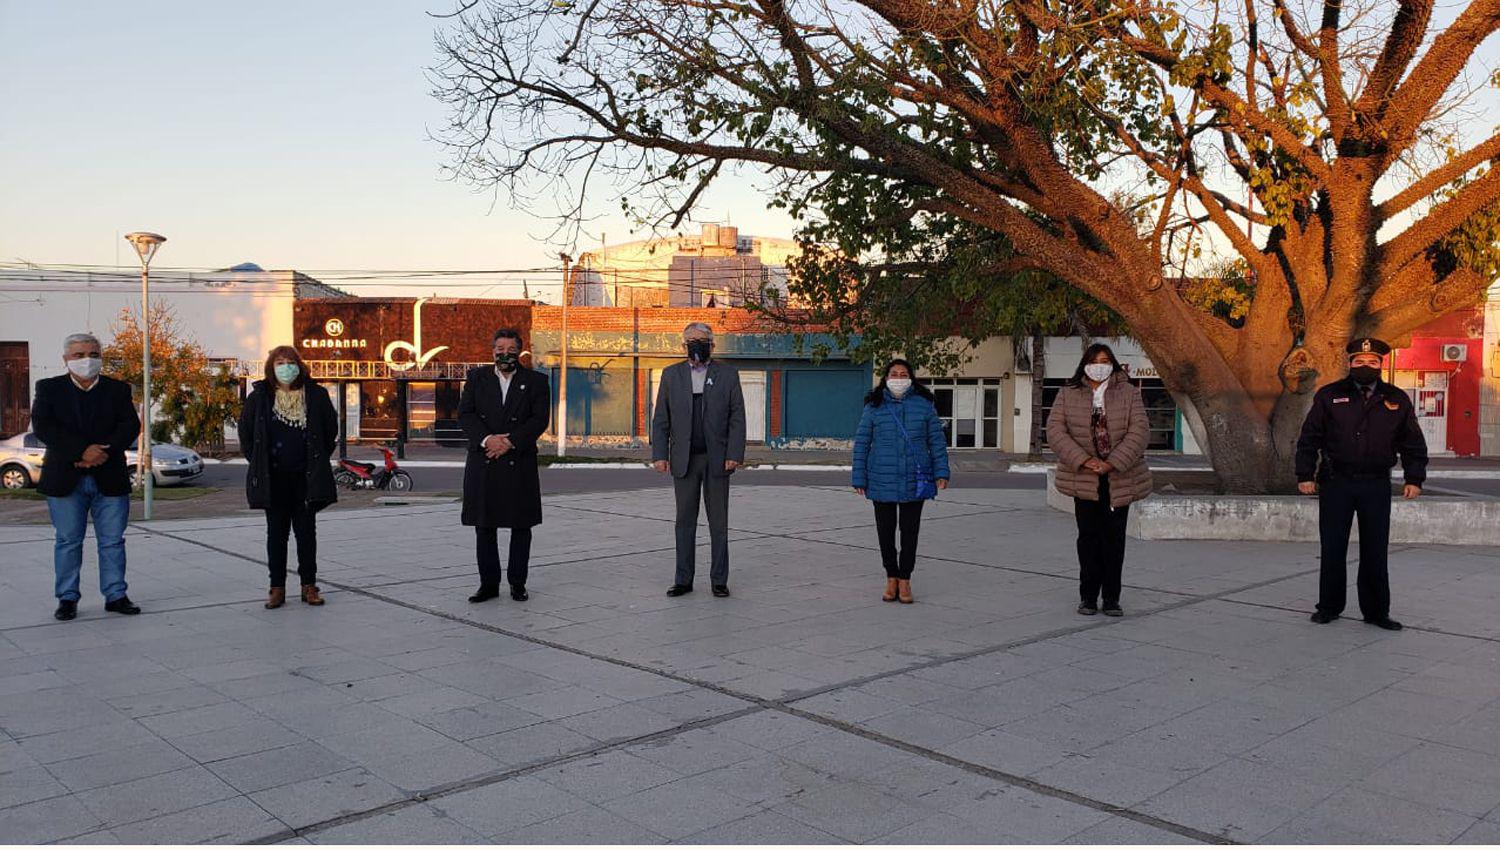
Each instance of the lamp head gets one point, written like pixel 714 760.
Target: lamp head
pixel 145 244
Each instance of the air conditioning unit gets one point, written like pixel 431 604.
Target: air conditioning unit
pixel 1455 353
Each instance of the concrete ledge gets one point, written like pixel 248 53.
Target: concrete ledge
pixel 1430 519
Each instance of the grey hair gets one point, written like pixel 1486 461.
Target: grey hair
pixel 698 326
pixel 75 339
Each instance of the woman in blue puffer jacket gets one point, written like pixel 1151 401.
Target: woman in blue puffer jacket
pixel 900 461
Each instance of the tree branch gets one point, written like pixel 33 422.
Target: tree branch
pixel 1444 219
pixel 1486 151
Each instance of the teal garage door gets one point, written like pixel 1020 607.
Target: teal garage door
pixel 824 402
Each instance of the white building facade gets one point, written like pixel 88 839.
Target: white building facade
pixel 236 315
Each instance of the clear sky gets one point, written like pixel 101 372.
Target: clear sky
pixel 289 134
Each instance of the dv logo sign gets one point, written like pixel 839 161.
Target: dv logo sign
pixel 419 358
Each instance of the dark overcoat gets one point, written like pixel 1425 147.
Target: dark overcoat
pixel 504 492
pixel 57 422
pixel 322 435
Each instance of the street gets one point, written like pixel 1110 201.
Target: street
pixel 581 479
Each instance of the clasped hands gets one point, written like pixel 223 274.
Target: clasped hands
pixel 1097 466
pixel 93 456
pixel 496 445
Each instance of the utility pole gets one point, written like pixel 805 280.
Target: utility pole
pixel 562 380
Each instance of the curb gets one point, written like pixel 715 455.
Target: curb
pixel 458 464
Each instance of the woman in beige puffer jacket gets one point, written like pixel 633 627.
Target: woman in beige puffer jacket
pixel 1098 429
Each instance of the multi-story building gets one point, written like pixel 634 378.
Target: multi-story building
pixel 716 268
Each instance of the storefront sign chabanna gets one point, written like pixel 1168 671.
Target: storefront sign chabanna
pixel 397 333
pixel 333 338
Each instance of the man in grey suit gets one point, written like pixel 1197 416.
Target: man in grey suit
pixel 698 433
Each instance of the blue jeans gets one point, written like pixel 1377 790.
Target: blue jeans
pixel 70 516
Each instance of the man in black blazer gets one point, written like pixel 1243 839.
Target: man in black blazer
pixel 698 433
pixel 87 422
pixel 503 412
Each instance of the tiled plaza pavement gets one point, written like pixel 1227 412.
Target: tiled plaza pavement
pixel 802 709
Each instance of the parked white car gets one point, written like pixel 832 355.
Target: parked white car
pixel 21 462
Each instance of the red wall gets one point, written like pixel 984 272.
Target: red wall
pixel 1425 354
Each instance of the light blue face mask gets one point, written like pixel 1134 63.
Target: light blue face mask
pixel 287 372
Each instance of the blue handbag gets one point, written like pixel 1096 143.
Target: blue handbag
pixel 926 485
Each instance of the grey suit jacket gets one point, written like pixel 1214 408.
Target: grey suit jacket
pixel 723 417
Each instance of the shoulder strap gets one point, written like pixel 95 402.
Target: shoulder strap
pixel 900 426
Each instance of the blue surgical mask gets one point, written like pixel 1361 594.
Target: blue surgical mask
pixel 287 372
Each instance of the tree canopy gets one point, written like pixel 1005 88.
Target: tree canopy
pixel 1320 151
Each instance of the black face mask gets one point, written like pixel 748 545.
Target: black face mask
pixel 506 361
pixel 700 350
pixel 1364 374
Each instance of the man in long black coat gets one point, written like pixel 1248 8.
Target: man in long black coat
pixel 503 412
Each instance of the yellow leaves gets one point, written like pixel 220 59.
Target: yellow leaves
pixel 1224 291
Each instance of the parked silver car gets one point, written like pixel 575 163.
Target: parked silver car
pixel 21 462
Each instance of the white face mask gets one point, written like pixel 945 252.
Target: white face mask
pixel 898 386
pixel 1099 372
pixel 86 368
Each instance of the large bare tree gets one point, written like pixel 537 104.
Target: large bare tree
pixel 1111 145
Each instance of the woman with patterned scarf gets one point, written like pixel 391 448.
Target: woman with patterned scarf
pixel 288 431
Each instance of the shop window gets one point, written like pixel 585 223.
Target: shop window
pixel 379 414
pixel 432 410
pixel 970 410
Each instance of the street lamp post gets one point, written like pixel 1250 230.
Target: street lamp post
pixel 562 381
pixel 146 245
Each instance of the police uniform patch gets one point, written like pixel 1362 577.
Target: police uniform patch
pixel 1391 405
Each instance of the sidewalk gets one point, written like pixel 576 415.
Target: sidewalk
pixel 961 460
pixel 802 709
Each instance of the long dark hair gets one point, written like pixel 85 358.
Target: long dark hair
pixel 290 353
pixel 876 396
pixel 1088 357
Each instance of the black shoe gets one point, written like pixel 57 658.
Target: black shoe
pixel 123 605
pixel 679 589
pixel 1087 610
pixel 1385 623
pixel 721 590
pixel 67 609
pixel 1321 617
pixel 1113 610
pixel 519 593
pixel 485 594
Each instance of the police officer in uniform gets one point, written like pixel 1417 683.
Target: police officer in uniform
pixel 1350 441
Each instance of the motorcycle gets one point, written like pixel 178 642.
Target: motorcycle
pixel 358 475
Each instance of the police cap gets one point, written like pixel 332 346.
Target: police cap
pixel 1368 345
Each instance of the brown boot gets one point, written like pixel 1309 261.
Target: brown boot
pixel 276 598
pixel 310 594
pixel 903 588
pixel 890 591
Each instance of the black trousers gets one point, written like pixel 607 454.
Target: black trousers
pixel 288 513
pixel 1340 501
pixel 487 545
pixel 908 515
pixel 1101 546
pixel 713 492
